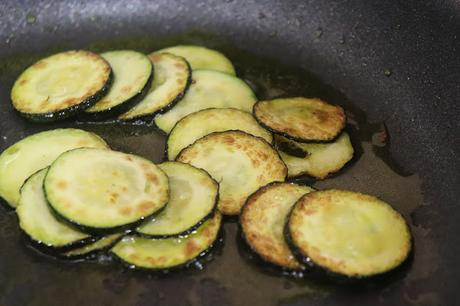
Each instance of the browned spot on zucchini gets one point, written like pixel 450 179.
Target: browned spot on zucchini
pixel 151 177
pixel 180 65
pixel 126 89
pixel 191 248
pixel 61 184
pixel 41 64
pixel 155 57
pixel 125 211
pixel 144 206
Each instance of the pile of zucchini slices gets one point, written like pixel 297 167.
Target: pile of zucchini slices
pixel 227 154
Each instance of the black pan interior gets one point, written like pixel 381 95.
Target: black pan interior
pixel 393 66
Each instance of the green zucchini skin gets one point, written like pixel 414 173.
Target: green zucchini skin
pixel 103 231
pixel 201 259
pixel 324 274
pixel 70 111
pixel 186 232
pixel 120 108
pixel 88 255
pixel 50 249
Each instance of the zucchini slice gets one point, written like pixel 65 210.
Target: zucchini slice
pixel 102 244
pixel 133 73
pixel 322 158
pixel 348 233
pixel 39 224
pixel 35 152
pixel 61 85
pixel 209 89
pixel 201 123
pixel 301 119
pixel 172 77
pixel 170 253
pixel 202 58
pixel 104 191
pixel 193 199
pixel 262 222
pixel 240 162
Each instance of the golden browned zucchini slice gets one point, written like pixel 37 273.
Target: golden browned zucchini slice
pixel 35 152
pixel 172 77
pixel 61 85
pixel 171 253
pixel 240 162
pixel 263 218
pixel 348 233
pixel 201 123
pixel 320 160
pixel 301 119
pixel 103 191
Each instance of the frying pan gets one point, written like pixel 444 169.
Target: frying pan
pixel 393 65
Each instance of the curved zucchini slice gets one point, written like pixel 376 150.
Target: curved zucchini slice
pixel 102 244
pixel 348 233
pixel 240 162
pixel 209 89
pixel 133 73
pixel 321 159
pixel 39 224
pixel 172 77
pixel 301 119
pixel 36 152
pixel 201 123
pixel 193 199
pixel 262 222
pixel 170 253
pixel 61 85
pixel 202 58
pixel 104 191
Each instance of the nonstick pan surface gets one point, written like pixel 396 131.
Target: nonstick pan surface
pixel 393 65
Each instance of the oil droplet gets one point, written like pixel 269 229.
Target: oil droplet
pixel 387 72
pixel 31 19
pixel 319 33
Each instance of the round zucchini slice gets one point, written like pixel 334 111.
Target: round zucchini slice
pixel 240 162
pixel 202 58
pixel 192 200
pixel 102 244
pixel 171 253
pixel 301 119
pixel 209 89
pixel 320 160
pixel 201 123
pixel 133 74
pixel 36 152
pixel 348 233
pixel 172 77
pixel 262 222
pixel 61 85
pixel 39 224
pixel 104 191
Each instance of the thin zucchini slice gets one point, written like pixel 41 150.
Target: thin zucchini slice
pixel 240 162
pixel 171 253
pixel 61 85
pixel 104 191
pixel 301 119
pixel 262 222
pixel 209 89
pixel 201 123
pixel 193 199
pixel 172 77
pixel 322 158
pixel 202 58
pixel 102 244
pixel 35 152
pixel 39 224
pixel 133 73
pixel 348 233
